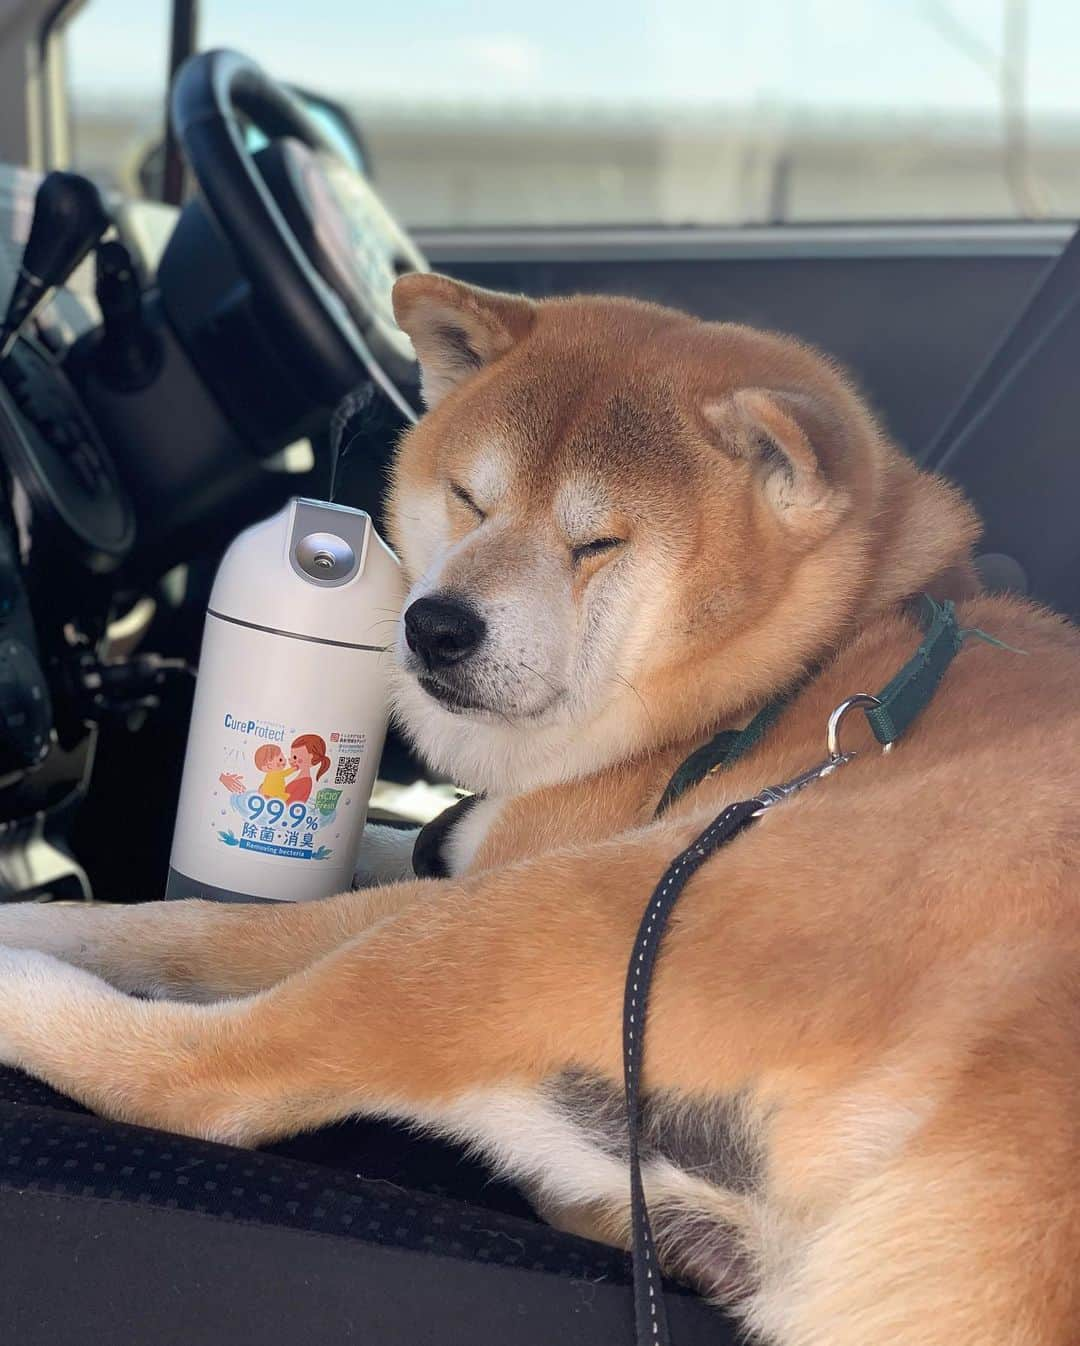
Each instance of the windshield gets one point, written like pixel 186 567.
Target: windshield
pixel 702 112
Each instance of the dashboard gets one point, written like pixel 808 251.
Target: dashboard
pixel 121 480
pixel 66 528
pixel 65 493
pixel 147 410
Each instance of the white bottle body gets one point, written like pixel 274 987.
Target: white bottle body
pixel 289 716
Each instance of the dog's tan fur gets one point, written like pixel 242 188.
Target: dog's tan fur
pixel 873 995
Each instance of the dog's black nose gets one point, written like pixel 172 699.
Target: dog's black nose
pixel 442 631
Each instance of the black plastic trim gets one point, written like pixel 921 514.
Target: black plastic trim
pixel 753 243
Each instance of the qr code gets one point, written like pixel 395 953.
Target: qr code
pixel 348 768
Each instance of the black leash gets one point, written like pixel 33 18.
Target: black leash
pixel 649 1313
pixel 889 715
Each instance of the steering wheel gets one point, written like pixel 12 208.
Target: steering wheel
pixel 318 246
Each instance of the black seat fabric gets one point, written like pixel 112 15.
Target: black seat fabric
pixel 386 1210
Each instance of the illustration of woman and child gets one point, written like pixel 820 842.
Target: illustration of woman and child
pixel 307 753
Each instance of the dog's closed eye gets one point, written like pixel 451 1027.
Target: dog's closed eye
pixel 460 493
pixel 597 547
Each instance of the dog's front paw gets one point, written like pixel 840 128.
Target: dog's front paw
pixel 21 924
pixel 23 978
pixel 39 996
pixel 385 856
pixel 49 927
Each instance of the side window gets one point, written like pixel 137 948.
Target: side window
pixel 115 54
pixel 689 112
pixel 693 112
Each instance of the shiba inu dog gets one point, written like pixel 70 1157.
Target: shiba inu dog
pixel 626 529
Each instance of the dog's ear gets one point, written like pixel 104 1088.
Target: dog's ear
pixel 456 329
pixel 796 446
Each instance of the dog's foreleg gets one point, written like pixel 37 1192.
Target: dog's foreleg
pixel 485 986
pixel 490 1009
pixel 194 950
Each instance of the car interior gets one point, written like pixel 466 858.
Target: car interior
pixel 178 338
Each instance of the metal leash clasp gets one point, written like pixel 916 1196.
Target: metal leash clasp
pixel 776 794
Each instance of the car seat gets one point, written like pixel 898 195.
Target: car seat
pixel 359 1233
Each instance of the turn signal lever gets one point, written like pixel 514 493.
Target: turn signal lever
pixel 128 354
pixel 69 218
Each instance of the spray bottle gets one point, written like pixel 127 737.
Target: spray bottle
pixel 290 709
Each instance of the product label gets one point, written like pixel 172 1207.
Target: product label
pixel 284 790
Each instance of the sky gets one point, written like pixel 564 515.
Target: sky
pixel 919 56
